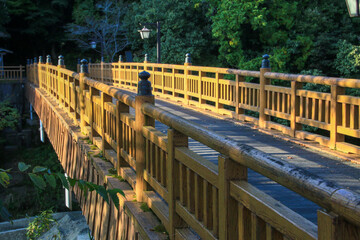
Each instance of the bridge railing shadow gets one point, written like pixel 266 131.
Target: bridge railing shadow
pixel 184 189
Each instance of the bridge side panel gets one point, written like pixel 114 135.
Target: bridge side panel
pixel 75 160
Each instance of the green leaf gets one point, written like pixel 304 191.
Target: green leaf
pixel 4 179
pixel 37 180
pixel 113 193
pixel 63 180
pixel 72 181
pixel 51 180
pixel 38 169
pixel 103 193
pixel 91 186
pixel 23 167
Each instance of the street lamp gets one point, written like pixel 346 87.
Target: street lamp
pixel 93 46
pixel 353 7
pixel 145 33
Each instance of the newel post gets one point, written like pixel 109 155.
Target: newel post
pixel 102 69
pixel 60 91
pixel 48 79
pixel 187 63
pixel 295 107
pixel 229 212
pixel 265 67
pixel 175 139
pixel 83 73
pixel 144 95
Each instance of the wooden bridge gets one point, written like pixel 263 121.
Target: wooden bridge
pixel 198 183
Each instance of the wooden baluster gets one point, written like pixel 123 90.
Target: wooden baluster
pixel 336 117
pixel 93 133
pixel 228 215
pixel 104 98
pixel 120 108
pixel 175 139
pixel 265 67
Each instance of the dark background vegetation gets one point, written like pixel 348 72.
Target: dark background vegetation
pixel 316 37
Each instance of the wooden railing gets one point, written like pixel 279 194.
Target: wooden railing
pixel 252 96
pixel 216 202
pixel 12 73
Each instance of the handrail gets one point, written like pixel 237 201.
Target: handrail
pixel 12 73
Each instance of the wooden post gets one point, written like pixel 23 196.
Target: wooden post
pixel 144 96
pixel 120 108
pixel 336 116
pixel 265 67
pixel 295 105
pixel 187 63
pixel 83 73
pixel 334 227
pixel 228 215
pixel 102 69
pixel 175 139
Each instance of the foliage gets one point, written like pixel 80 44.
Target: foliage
pixel 101 23
pixel 184 29
pixel 347 60
pixel 4 18
pixel 41 224
pixel 42 176
pixel 9 116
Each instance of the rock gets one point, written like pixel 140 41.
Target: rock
pixel 70 227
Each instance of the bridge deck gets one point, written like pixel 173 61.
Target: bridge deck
pixel 326 166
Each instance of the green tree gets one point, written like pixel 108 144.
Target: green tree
pixel 184 29
pixel 99 22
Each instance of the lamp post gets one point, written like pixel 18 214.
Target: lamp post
pixel 93 46
pixel 145 33
pixel 353 7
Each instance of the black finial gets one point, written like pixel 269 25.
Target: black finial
pixel 31 61
pixel 120 58
pixel 187 58
pixel 146 57
pixel 61 61
pixel 144 85
pixel 40 59
pixel 28 61
pixel 89 60
pixel 84 66
pixel 48 59
pixel 265 62
pixel 78 61
pixel 35 60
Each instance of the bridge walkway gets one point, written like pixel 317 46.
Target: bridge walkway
pixel 328 167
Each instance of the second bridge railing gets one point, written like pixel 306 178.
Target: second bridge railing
pixel 328 114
